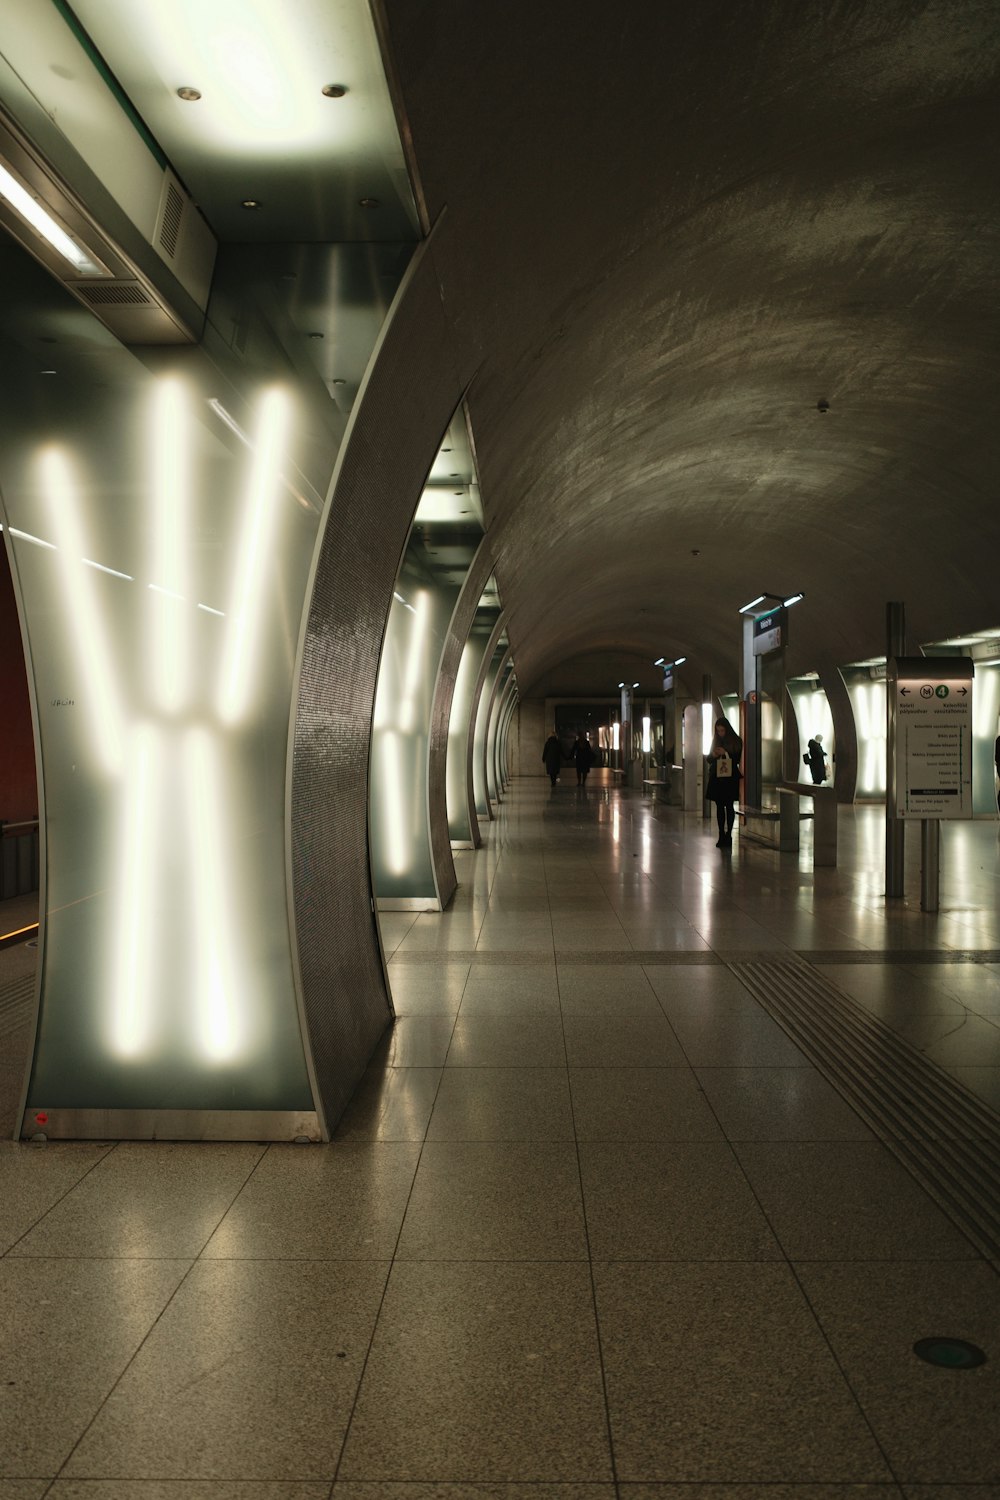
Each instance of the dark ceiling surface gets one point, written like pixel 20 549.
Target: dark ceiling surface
pixel 675 229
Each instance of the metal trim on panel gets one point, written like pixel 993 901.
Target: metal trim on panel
pixel 346 999
pixel 407 903
pixel 477 693
pixel 43 843
pixel 172 1125
pixel 492 724
pixel 463 615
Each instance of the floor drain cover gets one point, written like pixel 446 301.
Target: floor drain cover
pixel 950 1354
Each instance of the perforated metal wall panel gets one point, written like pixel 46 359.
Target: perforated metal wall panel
pixel 406 401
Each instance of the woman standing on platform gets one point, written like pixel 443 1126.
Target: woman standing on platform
pixel 724 778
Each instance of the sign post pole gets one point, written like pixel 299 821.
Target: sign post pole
pixel 930 864
pixel 895 830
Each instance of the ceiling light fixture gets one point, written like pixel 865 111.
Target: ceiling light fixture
pixel 792 599
pixel 27 206
pixel 369 202
pixel 189 95
pixel 659 661
pixel 334 90
pixel 251 203
pixel 745 608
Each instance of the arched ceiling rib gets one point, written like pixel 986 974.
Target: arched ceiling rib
pixel 674 230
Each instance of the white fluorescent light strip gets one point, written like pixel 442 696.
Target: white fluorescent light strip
pixel 210 611
pixel 393 824
pixel 792 599
pixel 707 728
pixel 86 627
pixel 22 202
pixel 217 1021
pixel 102 569
pixel 254 550
pixel 138 865
pixel 230 421
pixel 36 541
pixel 170 486
pixel 753 603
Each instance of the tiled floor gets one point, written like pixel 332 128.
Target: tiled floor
pixel 593 1226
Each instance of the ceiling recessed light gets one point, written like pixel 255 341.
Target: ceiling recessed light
pixel 339 381
pixel 189 95
pixel 334 90
pixel 316 335
pixel 369 202
pixel 251 203
pixel 48 372
pixel 459 492
pixel 445 450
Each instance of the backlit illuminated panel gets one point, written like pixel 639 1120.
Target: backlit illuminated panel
pixel 463 820
pixel 402 864
pixel 459 826
pixel 867 695
pixel 479 744
pixel 985 728
pixel 813 718
pixel 170 481
pixel 492 727
pixel 157 559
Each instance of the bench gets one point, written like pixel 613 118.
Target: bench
pixel 778 827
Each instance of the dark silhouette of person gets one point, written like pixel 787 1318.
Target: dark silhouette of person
pixel 815 759
pixel 583 757
pixel 724 778
pixel 552 756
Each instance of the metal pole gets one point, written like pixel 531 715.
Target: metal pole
pixel 895 829
pixel 930 863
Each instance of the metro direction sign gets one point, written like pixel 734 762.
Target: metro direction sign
pixel 931 700
pixel 770 632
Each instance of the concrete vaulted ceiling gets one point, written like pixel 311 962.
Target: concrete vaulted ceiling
pixel 679 228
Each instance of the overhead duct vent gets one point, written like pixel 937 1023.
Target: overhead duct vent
pixel 41 211
pixel 170 218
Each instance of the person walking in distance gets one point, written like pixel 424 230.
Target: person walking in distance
pixel 552 757
pixel 724 778
pixel 583 758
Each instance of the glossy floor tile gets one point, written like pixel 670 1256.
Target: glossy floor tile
pixel 593 1227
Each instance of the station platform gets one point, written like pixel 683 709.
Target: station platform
pixel 671 1158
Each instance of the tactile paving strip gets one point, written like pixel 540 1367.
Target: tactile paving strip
pixel 16 1001
pixel 947 1138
